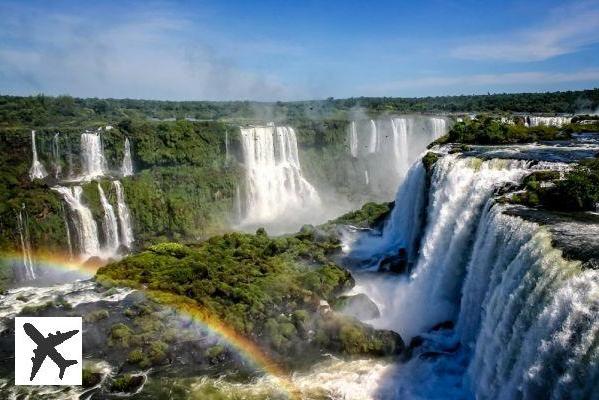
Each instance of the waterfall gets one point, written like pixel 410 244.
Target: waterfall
pixel 109 224
pixel 547 121
pixel 226 145
pixel 37 170
pixel 237 201
pixel 366 178
pixel 86 230
pixel 529 317
pixel 373 146
pixel 93 163
pixel 459 189
pixel 275 184
pixel 25 246
pixel 402 229
pixel 527 320
pixel 56 155
pixel 353 139
pixel 439 127
pixel 68 231
pixel 127 167
pixel 126 228
pixel 400 144
pixel 396 143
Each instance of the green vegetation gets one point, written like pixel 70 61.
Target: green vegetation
pixel 577 191
pixel 581 128
pixel 368 216
pixel 489 130
pixel 183 189
pixel 268 289
pixel 126 383
pixel 90 378
pixel 65 111
pixel 429 160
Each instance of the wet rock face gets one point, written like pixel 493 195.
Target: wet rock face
pixel 359 306
pixel 396 263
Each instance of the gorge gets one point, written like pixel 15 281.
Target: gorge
pixel 391 255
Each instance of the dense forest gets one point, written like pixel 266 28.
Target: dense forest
pixel 64 111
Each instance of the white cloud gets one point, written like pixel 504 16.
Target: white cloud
pixel 150 56
pixel 565 30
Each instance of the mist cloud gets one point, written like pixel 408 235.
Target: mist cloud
pixel 151 56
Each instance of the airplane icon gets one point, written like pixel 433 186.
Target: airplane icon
pixel 46 347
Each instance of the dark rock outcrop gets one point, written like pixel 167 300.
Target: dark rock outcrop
pixel 396 263
pixel 359 306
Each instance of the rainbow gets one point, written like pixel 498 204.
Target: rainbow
pixel 184 306
pixel 54 261
pixel 244 347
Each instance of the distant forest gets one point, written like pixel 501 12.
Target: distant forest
pixel 47 111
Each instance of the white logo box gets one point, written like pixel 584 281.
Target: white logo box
pixel 70 350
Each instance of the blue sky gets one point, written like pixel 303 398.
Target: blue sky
pixel 290 50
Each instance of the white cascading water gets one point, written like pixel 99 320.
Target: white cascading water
pixel 400 144
pixel 109 225
pixel 29 269
pixel 226 145
pixel 237 204
pixel 93 163
pixel 86 229
pixel 459 189
pixel 547 121
pixel 390 146
pixel 439 127
pixel 127 167
pixel 404 225
pixel 353 139
pixel 56 155
pixel 126 229
pixel 374 143
pixel 529 317
pixel 68 231
pixel 274 181
pixel 37 170
pixel 527 320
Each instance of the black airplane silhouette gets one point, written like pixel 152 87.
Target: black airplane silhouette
pixel 46 348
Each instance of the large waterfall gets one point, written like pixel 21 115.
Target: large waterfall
pixel 527 320
pixel 124 216
pixel 93 163
pixel 274 181
pixel 116 225
pixel 384 149
pixel 109 224
pixel 37 170
pixel 127 167
pixel 86 229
